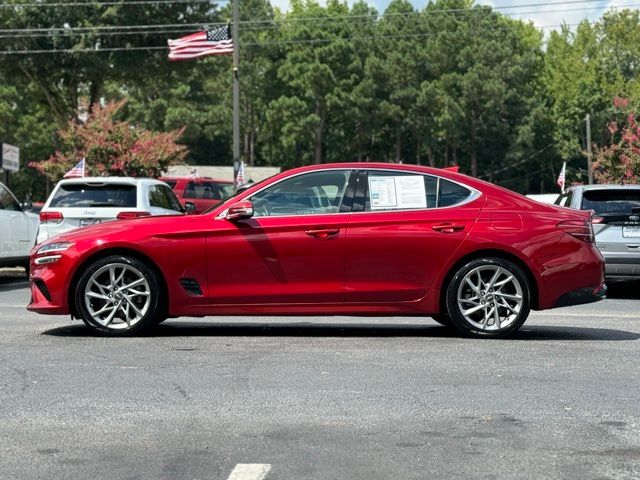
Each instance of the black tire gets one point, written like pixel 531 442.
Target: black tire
pixel 154 311
pixel 492 328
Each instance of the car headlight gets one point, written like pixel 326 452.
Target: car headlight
pixel 54 247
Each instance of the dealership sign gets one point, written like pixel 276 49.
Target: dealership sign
pixel 10 158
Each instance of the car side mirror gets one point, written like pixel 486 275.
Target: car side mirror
pixel 240 211
pixel 27 205
pixel 189 207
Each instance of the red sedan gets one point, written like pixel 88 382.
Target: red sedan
pixel 337 239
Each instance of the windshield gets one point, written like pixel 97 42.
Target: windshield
pixel 94 196
pixel 612 201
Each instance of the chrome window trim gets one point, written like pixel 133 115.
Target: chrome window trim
pixel 474 194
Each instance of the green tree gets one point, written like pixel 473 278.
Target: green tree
pixel 112 147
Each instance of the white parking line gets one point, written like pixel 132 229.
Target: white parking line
pixel 587 315
pixel 250 471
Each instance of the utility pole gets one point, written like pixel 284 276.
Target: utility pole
pixel 589 155
pixel 236 91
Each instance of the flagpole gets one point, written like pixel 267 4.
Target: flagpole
pixel 236 90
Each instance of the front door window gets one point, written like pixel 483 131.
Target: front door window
pixel 306 194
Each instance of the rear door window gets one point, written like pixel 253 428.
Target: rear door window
pixel 392 190
pixel 162 196
pixel 95 196
pixel 612 201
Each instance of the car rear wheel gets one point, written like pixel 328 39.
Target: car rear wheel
pixel 119 295
pixel 488 297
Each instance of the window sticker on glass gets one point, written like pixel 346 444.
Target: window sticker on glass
pixel 383 192
pixel 406 191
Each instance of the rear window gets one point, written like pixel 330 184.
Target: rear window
pixel 94 196
pixel 452 193
pixel 208 190
pixel 171 183
pixel 611 201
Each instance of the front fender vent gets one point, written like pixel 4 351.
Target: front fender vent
pixel 191 286
pixel 43 288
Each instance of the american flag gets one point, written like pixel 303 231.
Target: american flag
pixel 240 178
pixel 77 171
pixel 561 177
pixel 200 44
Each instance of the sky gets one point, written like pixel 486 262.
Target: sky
pixel 547 17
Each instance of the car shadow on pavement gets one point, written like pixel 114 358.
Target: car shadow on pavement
pixel 9 283
pixel 190 329
pixel 624 290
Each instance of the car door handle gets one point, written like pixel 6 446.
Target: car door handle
pixel 448 227
pixel 322 233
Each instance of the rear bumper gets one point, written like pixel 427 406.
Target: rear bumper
pixel 622 266
pixel 582 296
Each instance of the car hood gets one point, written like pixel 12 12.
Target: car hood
pixel 120 228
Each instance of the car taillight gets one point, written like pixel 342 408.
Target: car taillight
pixel 127 215
pixel 580 229
pixel 597 219
pixel 53 218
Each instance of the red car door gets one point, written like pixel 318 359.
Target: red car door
pixel 290 251
pixel 395 250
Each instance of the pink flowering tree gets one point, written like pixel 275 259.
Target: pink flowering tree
pixel 112 147
pixel 619 162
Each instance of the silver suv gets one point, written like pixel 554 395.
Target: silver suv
pixel 80 202
pixel 616 224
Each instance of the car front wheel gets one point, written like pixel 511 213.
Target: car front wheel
pixel 119 295
pixel 488 297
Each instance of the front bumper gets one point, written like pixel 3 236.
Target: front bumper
pixel 49 287
pixel 582 296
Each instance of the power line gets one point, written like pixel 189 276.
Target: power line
pixel 97 4
pixel 105 34
pixel 519 162
pixel 118 33
pixel 107 27
pixel 170 2
pixel 277 42
pixel 86 50
pixel 530 12
pixel 426 12
pixel 477 8
pixel 79 31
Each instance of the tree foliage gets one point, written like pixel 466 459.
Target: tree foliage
pixel 112 147
pixel 619 161
pixel 451 83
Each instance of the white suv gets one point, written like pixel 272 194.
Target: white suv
pixel 80 202
pixel 18 230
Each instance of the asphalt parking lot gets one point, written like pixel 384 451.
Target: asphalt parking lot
pixel 321 398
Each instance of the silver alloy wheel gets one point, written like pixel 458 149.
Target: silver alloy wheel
pixel 490 298
pixel 117 296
